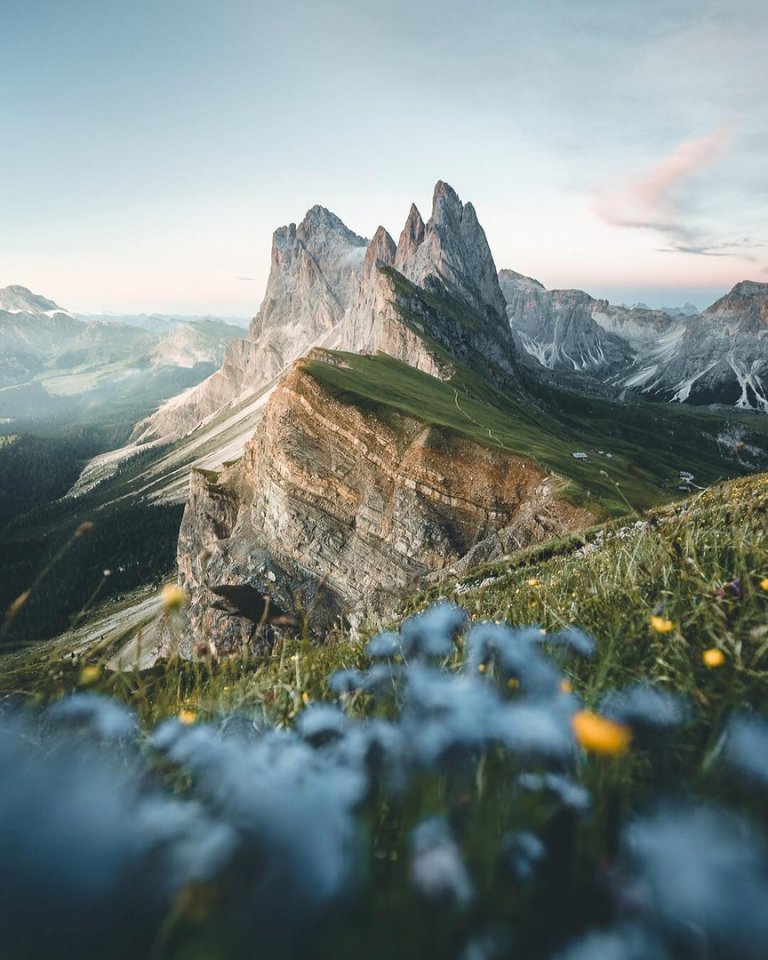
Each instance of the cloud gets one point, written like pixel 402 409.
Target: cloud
pixel 721 248
pixel 647 201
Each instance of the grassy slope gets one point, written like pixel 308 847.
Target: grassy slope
pixel 609 581
pixel 649 444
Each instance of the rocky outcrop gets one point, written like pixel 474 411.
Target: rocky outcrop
pixel 717 357
pixel 314 279
pixel 335 509
pixel 451 252
pixel 435 297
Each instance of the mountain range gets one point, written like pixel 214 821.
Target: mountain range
pixel 53 361
pixel 718 356
pixel 401 429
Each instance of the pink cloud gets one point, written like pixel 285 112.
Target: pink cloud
pixel 647 201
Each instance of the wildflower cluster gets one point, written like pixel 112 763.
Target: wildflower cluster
pixel 433 811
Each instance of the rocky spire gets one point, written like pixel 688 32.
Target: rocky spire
pixel 380 252
pixel 313 278
pixel 410 239
pixel 452 251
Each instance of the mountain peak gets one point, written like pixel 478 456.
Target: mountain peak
pixel 381 251
pixel 452 251
pixel 18 299
pixel 750 288
pixel 411 238
pixel 319 222
pixel 512 277
pixel 444 199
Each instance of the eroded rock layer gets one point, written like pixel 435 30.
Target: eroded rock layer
pixel 333 509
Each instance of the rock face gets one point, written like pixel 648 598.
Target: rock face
pixel 451 251
pixel 333 508
pixel 314 279
pixel 557 327
pixel 719 356
pixel 434 296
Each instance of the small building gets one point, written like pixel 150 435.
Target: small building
pixel 580 456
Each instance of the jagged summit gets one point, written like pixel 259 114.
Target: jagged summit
pixel 327 285
pixel 750 288
pixel 451 252
pixel 320 222
pixel 381 251
pixel 314 279
pixel 717 357
pixel 411 237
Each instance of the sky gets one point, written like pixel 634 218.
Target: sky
pixel 150 147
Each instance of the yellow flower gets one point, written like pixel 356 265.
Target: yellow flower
pixel 662 625
pixel 599 735
pixel 482 668
pixel 533 582
pixel 713 658
pixel 187 716
pixel 513 683
pixel 764 584
pixel 305 697
pixel 174 597
pixel 566 686
pixel 89 675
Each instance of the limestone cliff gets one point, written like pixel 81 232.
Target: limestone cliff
pixel 435 296
pixel 335 508
pixel 314 279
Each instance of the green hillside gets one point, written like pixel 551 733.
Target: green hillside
pixel 648 444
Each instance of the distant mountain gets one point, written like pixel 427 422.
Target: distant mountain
pixel 160 322
pixel 16 299
pixel 54 363
pixel 719 356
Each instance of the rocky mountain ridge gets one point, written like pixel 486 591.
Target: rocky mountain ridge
pixel 325 289
pixel 346 493
pixel 333 508
pixel 718 356
pixel 313 280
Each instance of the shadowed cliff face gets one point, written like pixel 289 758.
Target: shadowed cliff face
pixel 334 509
pixel 718 356
pixel 435 297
